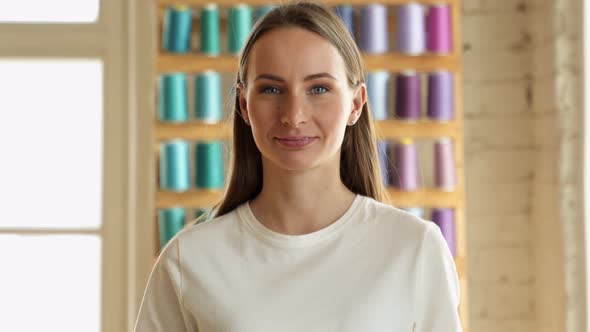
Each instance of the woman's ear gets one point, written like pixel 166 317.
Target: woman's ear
pixel 358 101
pixel 241 95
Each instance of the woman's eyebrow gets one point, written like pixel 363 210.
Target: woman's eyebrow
pixel 307 78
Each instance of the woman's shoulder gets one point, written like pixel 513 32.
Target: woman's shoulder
pixel 394 219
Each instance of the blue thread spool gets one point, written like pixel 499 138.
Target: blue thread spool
pixel 170 222
pixel 210 168
pixel 346 14
pixel 208 97
pixel 176 32
pixel 418 212
pixel 172 98
pixel 174 166
pixel 378 84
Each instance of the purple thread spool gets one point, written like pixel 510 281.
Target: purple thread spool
pixel 441 99
pixel 346 14
pixel 406 165
pixel 438 26
pixel 445 219
pixel 408 96
pixel 382 147
pixel 445 178
pixel 410 29
pixel 374 34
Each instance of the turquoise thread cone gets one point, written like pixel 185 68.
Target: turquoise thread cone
pixel 208 97
pixel 176 32
pixel 170 222
pixel 174 166
pixel 172 98
pixel 239 25
pixel 210 36
pixel 210 167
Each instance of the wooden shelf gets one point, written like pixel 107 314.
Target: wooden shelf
pixel 395 62
pixel 386 129
pixel 266 2
pixel 421 198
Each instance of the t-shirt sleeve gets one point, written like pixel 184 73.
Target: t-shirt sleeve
pixel 437 285
pixel 162 307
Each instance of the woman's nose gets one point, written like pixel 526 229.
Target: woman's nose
pixel 293 111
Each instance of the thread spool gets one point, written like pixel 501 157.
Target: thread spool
pixel 438 25
pixel 441 99
pixel 416 211
pixel 406 165
pixel 408 96
pixel 208 100
pixel 174 166
pixel 172 98
pixel 445 178
pixel 210 35
pixel 176 32
pixel 346 14
pixel 262 10
pixel 382 147
pixel 378 93
pixel 410 29
pixel 170 222
pixel 210 167
pixel 239 25
pixel 374 34
pixel 197 213
pixel 445 219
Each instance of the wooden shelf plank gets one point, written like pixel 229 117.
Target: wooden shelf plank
pixel 420 198
pixel 266 2
pixel 386 129
pixel 193 63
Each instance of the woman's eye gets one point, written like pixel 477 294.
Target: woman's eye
pixel 317 90
pixel 271 90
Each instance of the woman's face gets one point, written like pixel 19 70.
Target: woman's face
pixel 297 99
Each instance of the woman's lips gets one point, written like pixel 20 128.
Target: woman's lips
pixel 296 142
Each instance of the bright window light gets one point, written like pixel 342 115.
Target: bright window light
pixel 39 11
pixel 51 143
pixel 50 283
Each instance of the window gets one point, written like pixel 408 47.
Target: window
pixel 63 138
pixel 36 11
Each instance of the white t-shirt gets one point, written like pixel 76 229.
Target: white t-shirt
pixel 377 268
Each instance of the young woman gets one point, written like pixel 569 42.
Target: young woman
pixel 301 241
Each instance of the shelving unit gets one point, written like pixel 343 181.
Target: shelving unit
pixel 386 129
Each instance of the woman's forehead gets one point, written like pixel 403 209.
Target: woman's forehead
pixel 295 52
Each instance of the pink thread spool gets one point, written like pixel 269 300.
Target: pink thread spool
pixel 405 175
pixel 444 175
pixel 438 29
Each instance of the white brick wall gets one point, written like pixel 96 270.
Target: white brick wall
pixel 500 156
pixel 523 157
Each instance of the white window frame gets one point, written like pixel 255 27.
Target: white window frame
pixel 105 40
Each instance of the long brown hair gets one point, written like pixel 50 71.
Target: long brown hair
pixel 359 165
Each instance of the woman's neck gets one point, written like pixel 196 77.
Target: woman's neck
pixel 297 203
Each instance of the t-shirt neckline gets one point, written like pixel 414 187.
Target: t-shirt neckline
pixel 296 241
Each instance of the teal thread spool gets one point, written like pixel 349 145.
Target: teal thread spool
pixel 208 97
pixel 239 24
pixel 209 164
pixel 172 98
pixel 210 37
pixel 262 10
pixel 170 222
pixel 199 212
pixel 174 166
pixel 177 27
